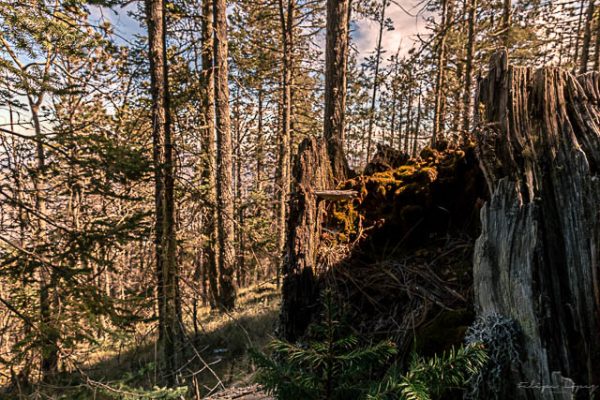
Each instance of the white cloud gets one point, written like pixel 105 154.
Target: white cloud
pixel 406 27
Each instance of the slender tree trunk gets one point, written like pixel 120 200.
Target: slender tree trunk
pixel 597 46
pixel 441 72
pixel 468 95
pixel 587 38
pixel 209 151
pixel 417 125
pixel 578 39
pixel 506 22
pixel 399 122
pixel 239 227
pixel 376 79
pixel 49 348
pixel 336 64
pixel 169 307
pixel 393 117
pixel 260 141
pixel 408 123
pixel 287 18
pixel 225 197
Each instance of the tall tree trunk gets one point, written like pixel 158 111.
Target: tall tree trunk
pixel 169 306
pixel 441 71
pixel 399 122
pixel 536 261
pixel 417 124
pixel 260 141
pixel 578 39
pixel 468 95
pixel 49 348
pixel 393 117
pixel 209 151
pixel 506 22
pixel 225 197
pixel 287 18
pixel 408 124
pixel 336 63
pixel 239 227
pixel 597 45
pixel 376 79
pixel 587 38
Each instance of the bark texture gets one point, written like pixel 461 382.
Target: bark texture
pixel 438 123
pixel 169 306
pixel 587 38
pixel 536 260
pixel 209 149
pixel 312 174
pixel 225 195
pixel 336 61
pixel 467 93
pixel 287 20
pixel 376 80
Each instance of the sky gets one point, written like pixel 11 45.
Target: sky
pixel 402 13
pixel 406 27
pixel 364 36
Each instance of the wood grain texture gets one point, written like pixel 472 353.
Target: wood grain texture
pixel 312 173
pixel 536 260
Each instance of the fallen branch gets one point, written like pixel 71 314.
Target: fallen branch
pixel 336 195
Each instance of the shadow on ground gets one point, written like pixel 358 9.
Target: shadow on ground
pixel 217 357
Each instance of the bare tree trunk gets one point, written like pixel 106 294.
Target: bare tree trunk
pixel 441 72
pixel 169 307
pixel 506 22
pixel 536 259
pixel 587 38
pixel 260 141
pixel 578 39
pixel 408 125
pixel 597 46
pixel 209 151
pixel 286 16
pixel 376 79
pixel 336 63
pixel 239 227
pixel 468 95
pixel 225 197
pixel 50 350
pixel 399 123
pixel 393 117
pixel 417 125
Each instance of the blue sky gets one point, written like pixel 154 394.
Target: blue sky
pixel 364 38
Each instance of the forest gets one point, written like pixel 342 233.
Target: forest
pixel 299 199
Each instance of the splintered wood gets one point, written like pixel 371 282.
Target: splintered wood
pixel 536 260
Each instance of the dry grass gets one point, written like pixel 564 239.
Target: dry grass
pixel 217 353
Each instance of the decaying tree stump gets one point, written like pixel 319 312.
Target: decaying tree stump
pixel 312 175
pixel 537 258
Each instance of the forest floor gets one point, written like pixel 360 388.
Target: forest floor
pixel 220 366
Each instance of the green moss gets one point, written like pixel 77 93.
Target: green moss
pixel 397 194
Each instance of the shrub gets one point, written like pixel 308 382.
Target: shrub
pixel 336 365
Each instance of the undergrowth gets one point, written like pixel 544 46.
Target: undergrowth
pixel 336 365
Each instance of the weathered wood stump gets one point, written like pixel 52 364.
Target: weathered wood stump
pixel 537 259
pixel 312 176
